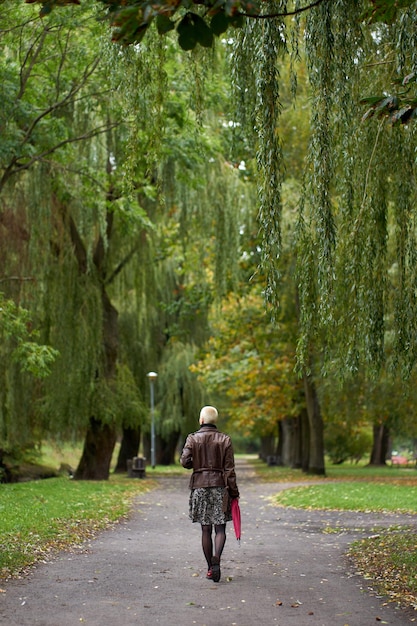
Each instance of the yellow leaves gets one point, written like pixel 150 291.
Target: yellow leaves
pixel 247 359
pixel 381 558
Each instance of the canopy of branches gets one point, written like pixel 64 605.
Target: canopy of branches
pixel 199 21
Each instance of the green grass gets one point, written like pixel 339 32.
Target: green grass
pixel 345 471
pixel 42 516
pixel 39 517
pixel 356 496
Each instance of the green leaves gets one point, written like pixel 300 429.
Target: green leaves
pixel 219 23
pixel 48 5
pixel 394 108
pixel 192 30
pixel 164 24
pixel 399 107
pixel 130 19
pixel 384 10
pixel 16 330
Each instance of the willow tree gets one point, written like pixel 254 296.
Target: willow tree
pixel 362 232
pixel 23 357
pixel 356 232
pixel 64 142
pixel 109 192
pixel 47 81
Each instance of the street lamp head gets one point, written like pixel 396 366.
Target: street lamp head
pixel 152 375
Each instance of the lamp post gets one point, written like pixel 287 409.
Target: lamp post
pixel 152 378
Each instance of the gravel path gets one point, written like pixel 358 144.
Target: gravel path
pixel 290 570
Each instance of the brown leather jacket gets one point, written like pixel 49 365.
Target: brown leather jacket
pixel 209 453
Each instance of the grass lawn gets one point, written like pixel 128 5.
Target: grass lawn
pixel 42 516
pixel 39 517
pixel 345 471
pixel 389 558
pixel 352 496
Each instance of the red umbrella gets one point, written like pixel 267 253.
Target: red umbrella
pixel 235 508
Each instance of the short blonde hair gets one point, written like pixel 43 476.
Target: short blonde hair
pixel 208 415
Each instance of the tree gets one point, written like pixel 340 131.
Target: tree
pixel 114 246
pixel 23 356
pixel 45 88
pixel 131 19
pixel 249 361
pixel 248 358
pixel 61 144
pixel 352 181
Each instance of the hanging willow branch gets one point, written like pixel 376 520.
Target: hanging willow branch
pixel 316 228
pixel 270 47
pixel 297 11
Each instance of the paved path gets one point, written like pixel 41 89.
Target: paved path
pixel 150 570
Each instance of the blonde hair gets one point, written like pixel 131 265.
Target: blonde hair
pixel 208 415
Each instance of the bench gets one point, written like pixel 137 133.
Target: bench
pixel 136 467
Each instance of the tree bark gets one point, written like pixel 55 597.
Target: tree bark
pixel 296 443
pixel 280 443
pixel 267 447
pixel 316 449
pixel 287 438
pixel 380 444
pixel 128 449
pixel 166 447
pixel 304 440
pixel 97 453
pixel 100 437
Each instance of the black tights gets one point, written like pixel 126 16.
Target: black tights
pixel 207 542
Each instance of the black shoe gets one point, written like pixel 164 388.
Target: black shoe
pixel 215 568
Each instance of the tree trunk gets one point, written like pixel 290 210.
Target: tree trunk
pixel 6 475
pixel 101 438
pixel 280 443
pixel 128 449
pixel 97 453
pixel 380 444
pixel 166 447
pixel 267 447
pixel 304 442
pixel 287 437
pixel 315 421
pixel 296 444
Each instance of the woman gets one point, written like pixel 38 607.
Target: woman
pixel 209 453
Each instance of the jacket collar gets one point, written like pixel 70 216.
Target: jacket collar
pixel 208 426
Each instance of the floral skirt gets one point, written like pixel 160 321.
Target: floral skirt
pixel 206 506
